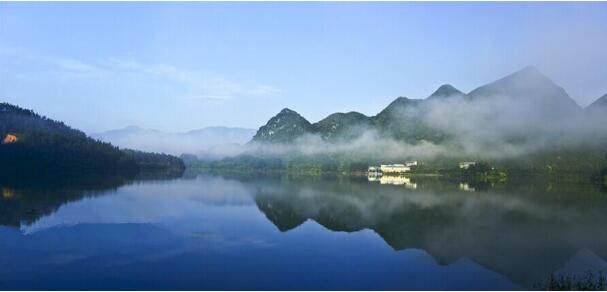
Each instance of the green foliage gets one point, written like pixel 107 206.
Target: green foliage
pixel 483 172
pixel 403 120
pixel 341 127
pixel 45 145
pixel 286 126
pixel 155 161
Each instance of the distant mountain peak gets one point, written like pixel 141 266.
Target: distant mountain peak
pixel 529 73
pixel 287 111
pixel 445 90
pixel 406 119
pixel 342 125
pixel 352 114
pixel 529 69
pixel 401 101
pixel 398 104
pixel 600 103
pixel 286 126
pixel 132 127
pixel 208 142
pixel 529 85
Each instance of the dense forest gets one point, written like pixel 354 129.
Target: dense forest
pixel 35 145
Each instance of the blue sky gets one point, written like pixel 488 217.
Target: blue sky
pixel 181 66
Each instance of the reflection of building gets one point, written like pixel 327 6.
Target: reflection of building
pixel 394 168
pixel 397 180
pixel 466 164
pixel 466 188
pixel 373 170
pixel 373 178
pixel 9 138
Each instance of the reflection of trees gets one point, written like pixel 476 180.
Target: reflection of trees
pixel 524 232
pixel 26 200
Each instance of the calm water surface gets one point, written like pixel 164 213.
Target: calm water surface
pixel 212 232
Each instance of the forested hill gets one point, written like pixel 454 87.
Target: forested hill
pixel 33 144
pixel 526 93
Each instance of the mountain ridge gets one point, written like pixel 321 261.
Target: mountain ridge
pixel 528 82
pixel 208 142
pixel 445 91
pixel 406 119
pixel 39 145
pixel 599 104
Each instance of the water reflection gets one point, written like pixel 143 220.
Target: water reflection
pixel 393 180
pixel 346 233
pixel 522 231
pixel 26 200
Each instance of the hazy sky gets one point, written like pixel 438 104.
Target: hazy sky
pixel 181 66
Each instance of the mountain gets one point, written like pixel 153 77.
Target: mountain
pixel 340 126
pixel 36 145
pixel 210 142
pixel 508 105
pixel 401 119
pixel 122 133
pixel 529 87
pixel 286 126
pixel 445 91
pixel 398 106
pixel 598 105
pixel 404 119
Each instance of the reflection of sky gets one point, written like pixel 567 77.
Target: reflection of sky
pixel 164 202
pixel 208 233
pixel 308 257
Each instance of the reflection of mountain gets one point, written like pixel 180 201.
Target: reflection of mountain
pixel 24 201
pixel 280 213
pixel 583 260
pixel 524 233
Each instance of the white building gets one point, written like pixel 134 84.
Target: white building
pixel 466 164
pixel 394 168
pixel 374 170
pixel 411 163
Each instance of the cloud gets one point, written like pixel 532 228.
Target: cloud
pixel 73 65
pixel 207 97
pixel 193 84
pixel 203 85
pixel 62 63
pixel 485 127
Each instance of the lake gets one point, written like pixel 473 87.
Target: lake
pixel 204 231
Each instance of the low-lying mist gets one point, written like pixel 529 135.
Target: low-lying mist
pixel 491 127
pixel 521 114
